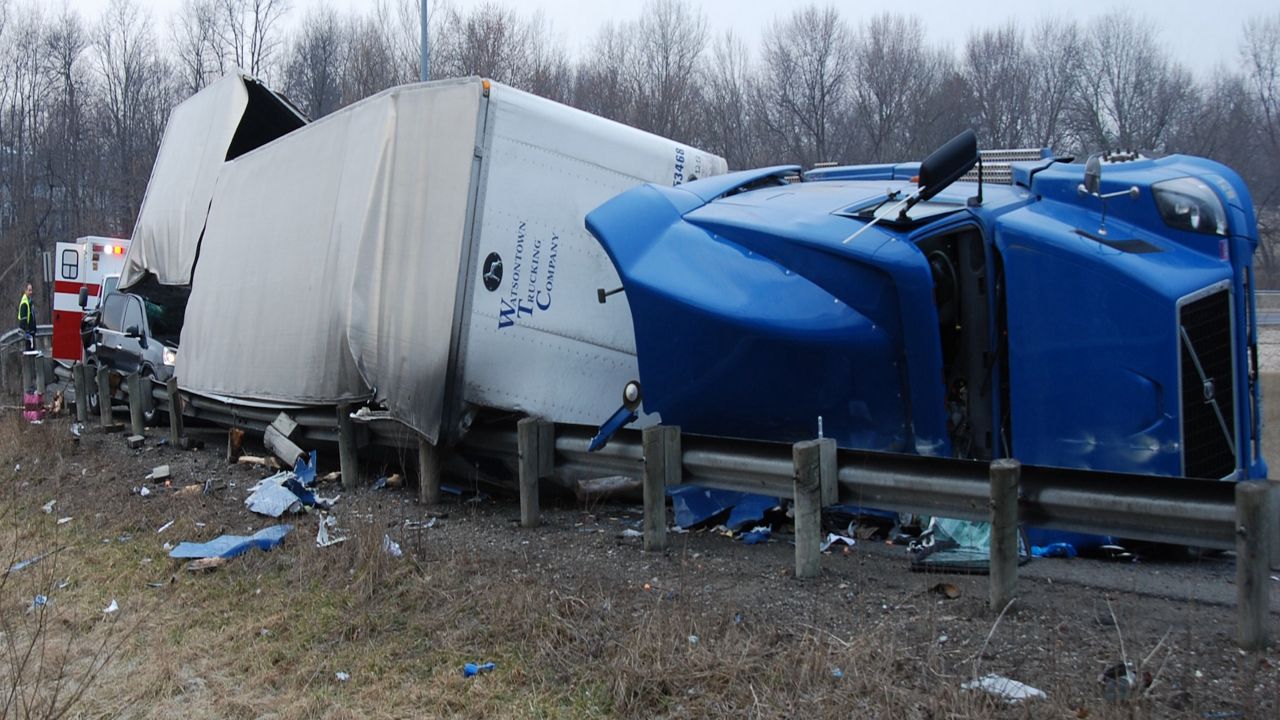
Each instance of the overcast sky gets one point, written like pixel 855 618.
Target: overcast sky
pixel 1202 34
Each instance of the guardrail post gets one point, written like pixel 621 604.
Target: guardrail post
pixel 104 397
pixel 1253 529
pixel 42 378
pixel 536 443
pixel 807 457
pixel 78 375
pixel 1005 474
pixel 27 371
pixel 429 463
pixel 348 458
pixel 175 411
pixel 135 403
pixel 663 466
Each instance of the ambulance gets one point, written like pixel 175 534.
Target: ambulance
pixel 90 263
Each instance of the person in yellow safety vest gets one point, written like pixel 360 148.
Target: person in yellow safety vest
pixel 27 318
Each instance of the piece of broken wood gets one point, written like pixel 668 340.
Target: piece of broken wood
pixel 268 462
pixel 212 563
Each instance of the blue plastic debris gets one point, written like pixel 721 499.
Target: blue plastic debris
pixel 306 470
pixel 756 536
pixel 695 505
pixel 1054 550
pixel 229 546
pixel 472 669
pixel 1083 542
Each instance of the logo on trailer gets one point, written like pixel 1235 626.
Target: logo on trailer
pixel 492 271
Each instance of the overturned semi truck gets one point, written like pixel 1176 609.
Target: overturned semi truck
pixel 1093 315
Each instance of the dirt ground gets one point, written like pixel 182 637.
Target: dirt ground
pixel 579 621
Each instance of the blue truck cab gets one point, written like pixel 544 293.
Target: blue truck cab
pixel 1085 315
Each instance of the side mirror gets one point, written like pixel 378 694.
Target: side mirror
pixel 948 164
pixel 1093 175
pixel 133 332
pixel 84 297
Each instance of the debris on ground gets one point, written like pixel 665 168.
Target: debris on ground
pixel 630 534
pixel 342 677
pixel 64 520
pixel 267 462
pixel 1011 691
pixel 229 546
pixel 48 507
pixel 696 505
pixel 160 472
pixel 946 590
pixel 112 607
pixel 391 546
pixel 757 535
pixel 836 539
pixel 1054 550
pixel 209 563
pixel 135 441
pixel 271 498
pixel 24 563
pixel 323 539
pixel 473 669
pixel 164 527
pixel 420 524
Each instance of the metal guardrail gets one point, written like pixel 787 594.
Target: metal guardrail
pixel 1180 511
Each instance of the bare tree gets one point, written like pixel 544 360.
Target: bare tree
pixel 1132 95
pixel 1260 52
pixel 997 71
pixel 1055 78
pixel 897 75
pixel 249 32
pixel 730 125
pixel 370 64
pixel 195 34
pixel 669 40
pixel 315 64
pixel 601 80
pixel 806 84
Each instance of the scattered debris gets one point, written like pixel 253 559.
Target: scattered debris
pixel 1119 682
pixel 604 488
pixel 235 439
pixel 48 507
pixel 946 590
pixel 189 443
pixel 834 539
pixel 322 533
pixel 271 498
pixel 1054 550
pixel 38 602
pixel 391 546
pixel 630 533
pixel 229 546
pixel 164 527
pixel 24 563
pixel 142 491
pixel 342 677
pixel 135 441
pixel 420 524
pixel 209 563
pixel 693 640
pixel 1011 691
pixel 837 673
pixel 267 462
pixel 696 505
pixel 757 535
pixel 114 606
pixel 160 472
pixel 64 520
pixel 473 669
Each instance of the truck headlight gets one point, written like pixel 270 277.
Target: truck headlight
pixel 169 356
pixel 1190 204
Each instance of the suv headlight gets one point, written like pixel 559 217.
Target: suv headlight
pixel 169 356
pixel 1190 204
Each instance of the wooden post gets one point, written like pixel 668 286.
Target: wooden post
pixel 830 470
pixel 807 457
pixel 663 466
pixel 1273 514
pixel 348 458
pixel 78 375
pixel 175 411
pixel 1005 475
pixel 1253 529
pixel 429 465
pixel 104 396
pixel 135 404
pixel 536 443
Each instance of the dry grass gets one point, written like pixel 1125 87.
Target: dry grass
pixel 569 623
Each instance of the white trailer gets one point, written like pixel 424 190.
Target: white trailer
pixel 424 249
